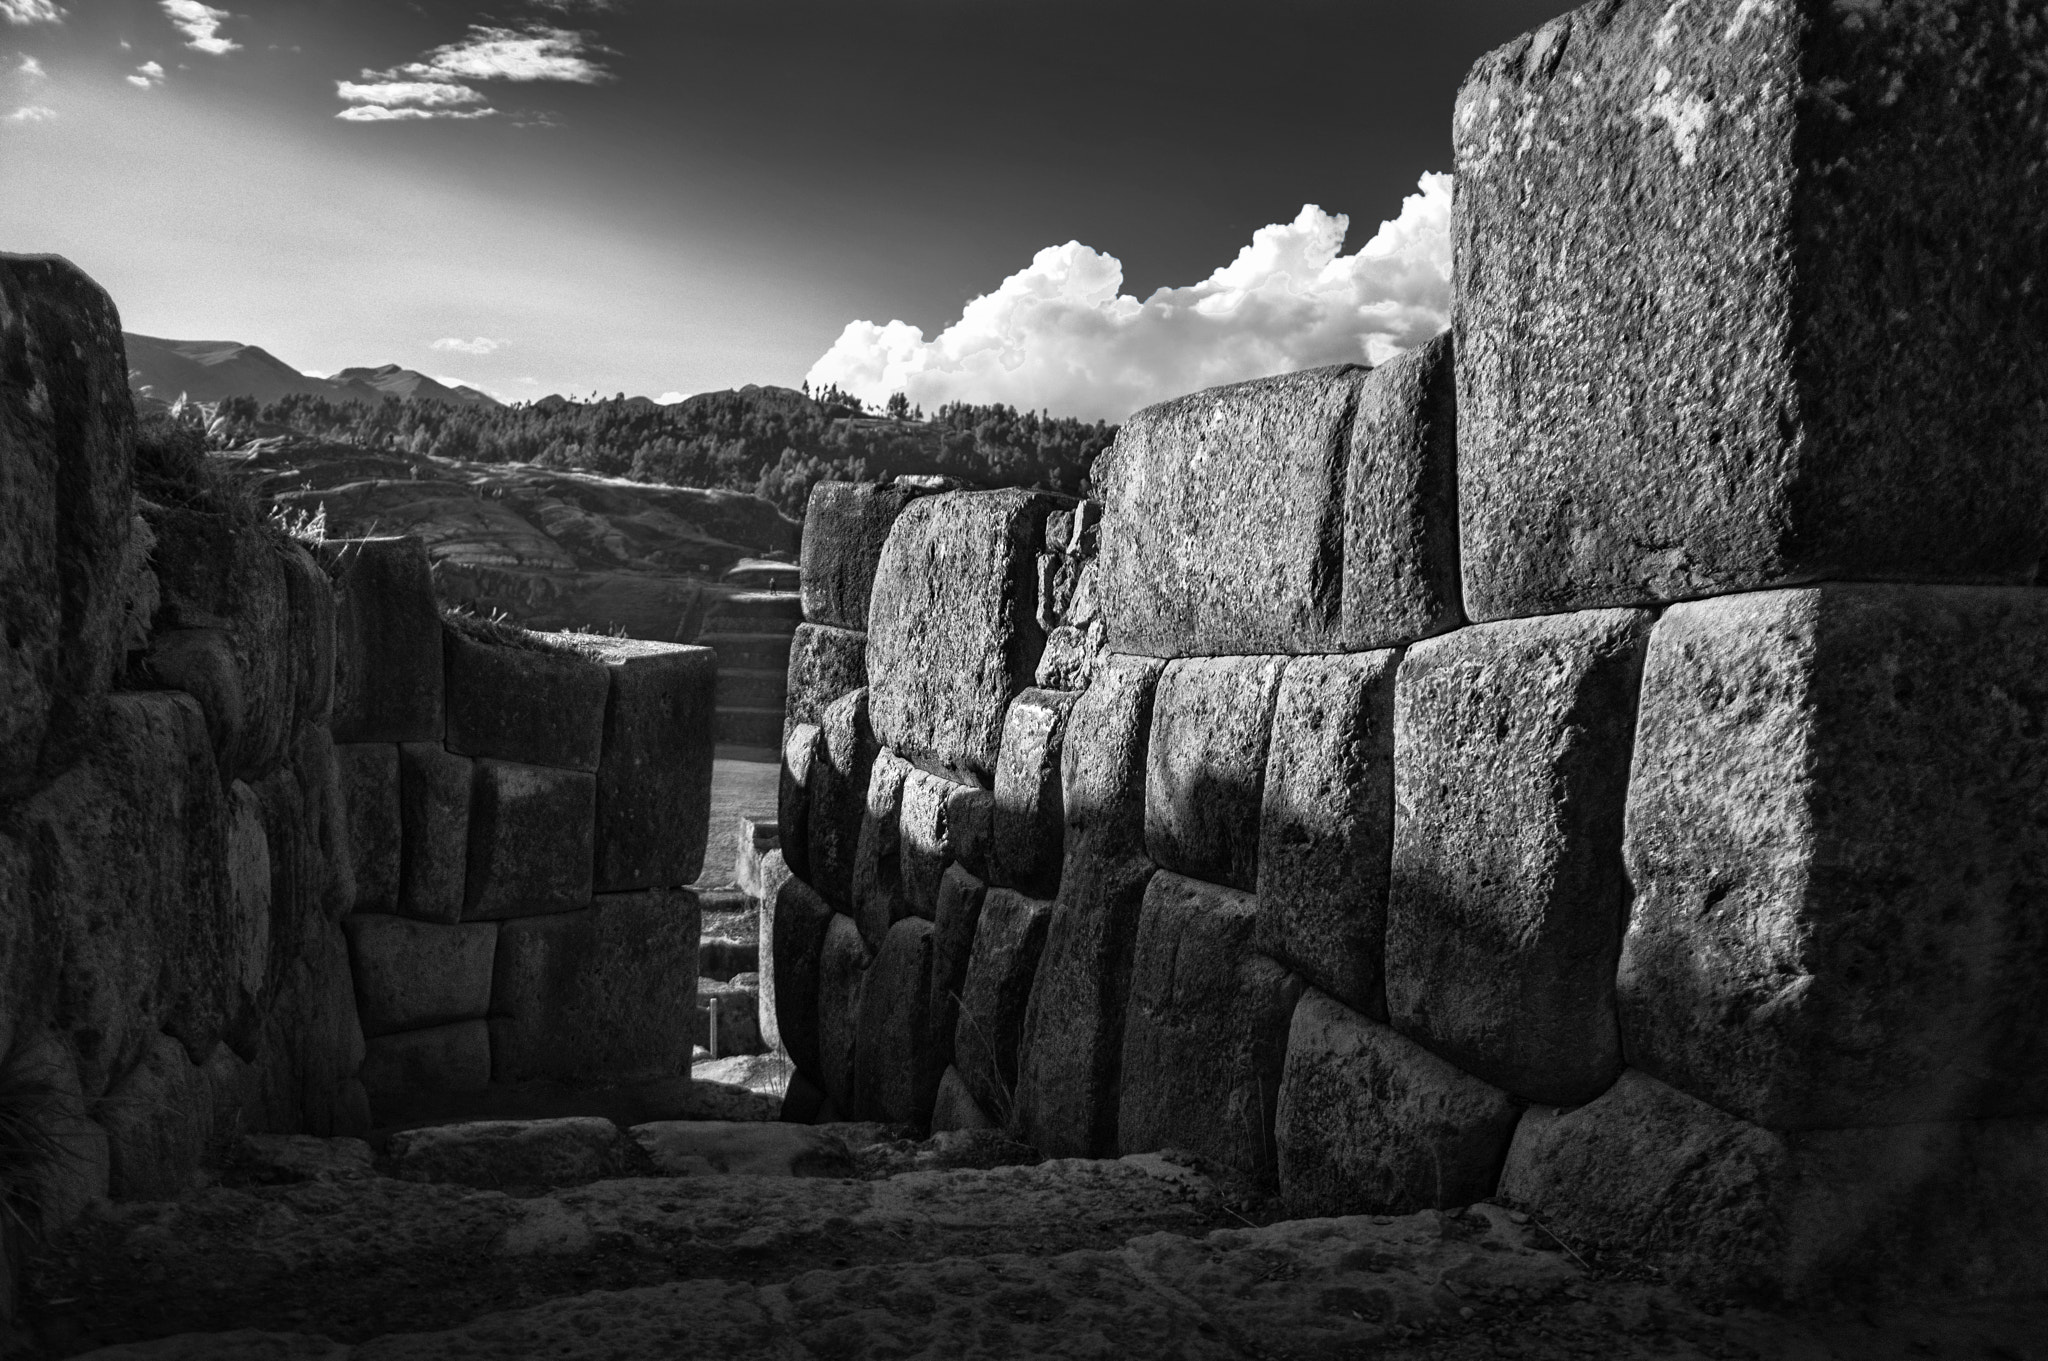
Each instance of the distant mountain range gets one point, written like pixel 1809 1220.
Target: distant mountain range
pixel 208 370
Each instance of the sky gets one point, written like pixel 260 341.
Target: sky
pixel 1080 207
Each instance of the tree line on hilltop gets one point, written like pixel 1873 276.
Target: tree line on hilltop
pixel 772 442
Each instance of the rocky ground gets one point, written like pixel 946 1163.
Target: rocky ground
pixel 741 1239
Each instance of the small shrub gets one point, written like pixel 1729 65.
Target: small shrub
pixel 172 469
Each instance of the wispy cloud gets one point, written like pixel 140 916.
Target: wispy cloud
pixel 480 345
pixel 31 69
pixel 439 85
pixel 147 75
pixel 29 113
pixel 200 24
pixel 427 94
pixel 26 12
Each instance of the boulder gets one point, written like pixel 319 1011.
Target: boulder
pixel 608 992
pixel 433 811
pixel 1028 823
pixel 956 1108
pixel 444 1058
pixel 741 1148
pixel 942 822
pixel 1206 1033
pixel 530 837
pixel 954 924
pixel 1507 897
pixel 387 641
pixel 878 897
pixel 1223 519
pixel 654 774
pixel 566 1151
pixel 793 930
pixel 953 631
pixel 993 991
pixel 413 974
pixel 1069 1056
pixel 540 708
pixel 1205 767
pixel 842 974
pixel 897 1067
pixel 824 663
pixel 801 748
pixel 370 792
pixel 845 526
pixel 1708 346
pixel 838 788
pixel 1326 825
pixel 1370 1121
pixel 1835 844
pixel 67 442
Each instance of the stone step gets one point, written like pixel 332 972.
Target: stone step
pixel 739 689
pixel 744 651
pixel 787 607
pixel 751 727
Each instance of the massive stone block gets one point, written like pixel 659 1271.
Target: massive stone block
pixel 442 1059
pixel 1835 840
pixel 1205 766
pixel 387 641
pixel 845 526
pixel 433 804
pixel 843 963
pixel 1206 1034
pixel 654 776
pixel 955 921
pixel 840 773
pixel 897 1067
pixel 1722 1205
pixel 993 992
pixel 370 792
pixel 1029 823
pixel 1401 502
pixel 410 974
pixel 1741 301
pixel 878 898
pixel 607 992
pixel 522 704
pixel 67 441
pixel 1507 897
pixel 824 663
pixel 530 831
pixel 1372 1122
pixel 1069 1057
pixel 942 822
pixel 801 749
pixel 1326 824
pixel 793 931
pixel 953 630
pixel 1223 519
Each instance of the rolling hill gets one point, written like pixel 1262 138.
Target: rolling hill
pixel 209 370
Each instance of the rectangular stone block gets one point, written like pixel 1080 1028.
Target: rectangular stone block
pixel 942 821
pixel 1709 343
pixel 1401 502
pixel 845 526
pixel 1069 1058
pixel 897 1067
pixel 1028 822
pixel 838 787
pixel 1839 861
pixel 1205 770
pixel 530 833
pixel 801 748
pixel 1507 897
pixel 824 663
pixel 1206 1034
pixel 993 994
pixel 1223 519
pixel 793 928
pixel 953 630
pixel 654 773
pixel 540 708
pixel 370 792
pixel 1371 1122
pixel 842 975
pixel 1326 825
pixel 954 924
pixel 879 901
pixel 442 1058
pixel 608 992
pixel 411 974
pixel 387 641
pixel 433 803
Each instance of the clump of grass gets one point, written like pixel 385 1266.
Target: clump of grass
pixel 29 1144
pixel 500 630
pixel 172 469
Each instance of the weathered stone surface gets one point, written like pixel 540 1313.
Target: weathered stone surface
pixel 1370 1120
pixel 309 598
pixel 158 1119
pixel 1787 341
pixel 954 922
pixel 521 704
pixel 879 901
pixel 250 883
pixel 491 1153
pixel 941 821
pixel 741 1148
pixel 801 749
pixel 1723 1205
pixel 793 929
pixel 1068 1059
pixel 324 879
pixel 840 771
pixel 1028 821
pixel 313 1039
pixel 370 792
pixel 1223 519
pixel 610 991
pixel 445 1058
pixel 824 663
pixel 1834 839
pixel 774 874
pixel 897 1067
pixel 278 1158
pixel 843 960
pixel 387 641
pixel 530 838
pixel 954 633
pixel 1326 825
pixel 1206 1033
pixel 433 807
pixel 1507 898
pixel 58 1190
pixel 1205 770
pixel 1401 502
pixel 845 526
pixel 67 445
pixel 994 991
pixel 956 1108
pixel 654 777
pixel 411 974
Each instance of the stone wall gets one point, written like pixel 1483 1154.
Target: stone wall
pixel 1593 761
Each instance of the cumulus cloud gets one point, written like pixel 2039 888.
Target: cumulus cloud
pixel 427 94
pixel 480 345
pixel 30 68
pixel 29 113
pixel 200 24
pixel 438 85
pixel 26 12
pixel 1061 334
pixel 146 75
pixel 671 398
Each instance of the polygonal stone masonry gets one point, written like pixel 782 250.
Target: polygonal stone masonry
pixel 444 1058
pixel 530 840
pixel 654 772
pixel 897 1069
pixel 793 929
pixel 1028 820
pixel 413 974
pixel 1206 766
pixel 387 651
pixel 941 822
pixel 845 526
pixel 369 790
pixel 843 961
pixel 433 801
pixel 994 990
pixel 540 708
pixel 824 663
pixel 956 925
pixel 837 789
